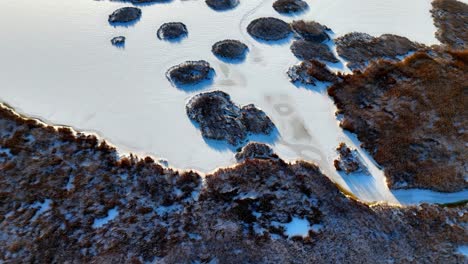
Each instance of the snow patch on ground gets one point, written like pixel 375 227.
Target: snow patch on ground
pixel 43 207
pixel 463 250
pixel 111 215
pixel 297 227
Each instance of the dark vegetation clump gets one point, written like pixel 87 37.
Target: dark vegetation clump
pixel 290 6
pixel 189 72
pixel 222 4
pixel 348 160
pixel 451 20
pixel 118 41
pixel 255 150
pixel 310 30
pixel 269 28
pixel 230 49
pixel 361 48
pixel 220 119
pixel 125 14
pixel 172 30
pixel 310 71
pixel 412 117
pixel 308 50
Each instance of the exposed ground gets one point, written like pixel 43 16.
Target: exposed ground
pixel 412 118
pixel 70 198
pixel 451 20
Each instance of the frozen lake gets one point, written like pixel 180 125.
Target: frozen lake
pixel 58 65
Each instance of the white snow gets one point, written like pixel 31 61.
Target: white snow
pixel 463 250
pixel 70 184
pixel 111 215
pixel 59 65
pixel 297 227
pixel 43 207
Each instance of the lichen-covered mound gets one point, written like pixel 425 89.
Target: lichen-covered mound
pixel 269 28
pixel 412 118
pixel 222 4
pixel 255 150
pixel 118 41
pixel 360 48
pixel 451 20
pixel 172 30
pixel 69 198
pixel 308 72
pixel 310 30
pixel 189 72
pixel 290 6
pixel 219 118
pixel 308 50
pixel 349 160
pixel 230 49
pixel 125 14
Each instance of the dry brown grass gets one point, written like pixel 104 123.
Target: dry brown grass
pixel 411 116
pixel 451 19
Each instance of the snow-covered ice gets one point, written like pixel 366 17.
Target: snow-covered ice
pixel 58 65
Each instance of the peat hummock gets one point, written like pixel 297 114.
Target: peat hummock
pixel 348 160
pixel 308 72
pixel 189 72
pixel 308 50
pixel 118 41
pixel 230 49
pixel 220 119
pixel 360 48
pixel 290 6
pixel 269 28
pixel 222 4
pixel 172 31
pixel 255 150
pixel 125 15
pixel 310 30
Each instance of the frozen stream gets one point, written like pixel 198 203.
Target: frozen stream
pixel 57 64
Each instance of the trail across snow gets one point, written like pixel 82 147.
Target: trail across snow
pixel 58 65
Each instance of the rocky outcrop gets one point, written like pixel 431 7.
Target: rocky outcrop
pixel 411 117
pixel 255 150
pixel 310 30
pixel 172 30
pixel 68 197
pixel 361 48
pixel 230 49
pixel 349 160
pixel 222 4
pixel 290 6
pixel 189 72
pixel 308 50
pixel 308 72
pixel 220 119
pixel 451 20
pixel 118 41
pixel 125 15
pixel 269 28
